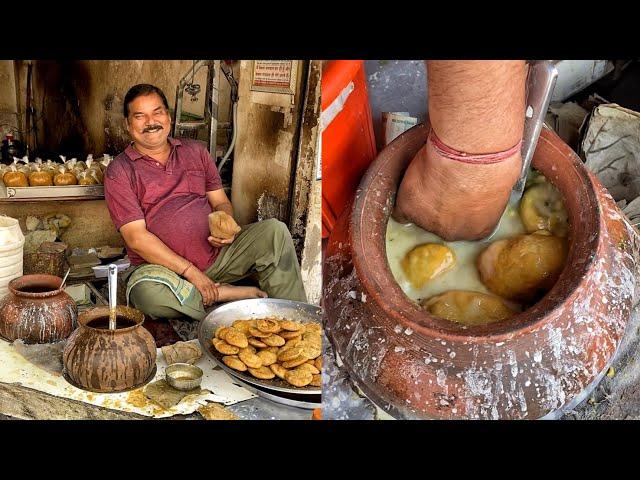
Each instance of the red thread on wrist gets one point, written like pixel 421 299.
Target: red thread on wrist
pixel 187 268
pixel 483 158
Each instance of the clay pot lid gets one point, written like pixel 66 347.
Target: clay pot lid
pixel 371 212
pixel 18 285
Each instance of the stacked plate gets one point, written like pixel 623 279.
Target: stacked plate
pixel 276 389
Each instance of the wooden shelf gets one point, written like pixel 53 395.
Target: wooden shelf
pixel 54 193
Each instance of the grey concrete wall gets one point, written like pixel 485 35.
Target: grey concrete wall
pixel 265 153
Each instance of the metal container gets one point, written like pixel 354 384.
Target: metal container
pixel 307 402
pixel 258 308
pixel 183 376
pixel 576 75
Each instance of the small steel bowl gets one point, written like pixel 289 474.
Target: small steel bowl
pixel 183 376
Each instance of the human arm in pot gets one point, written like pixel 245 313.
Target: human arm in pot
pixel 458 184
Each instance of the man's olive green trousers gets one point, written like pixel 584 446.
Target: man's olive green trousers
pixel 263 248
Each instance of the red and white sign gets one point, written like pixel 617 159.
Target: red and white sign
pixel 277 76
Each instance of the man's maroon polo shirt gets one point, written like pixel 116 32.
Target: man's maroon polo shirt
pixel 171 198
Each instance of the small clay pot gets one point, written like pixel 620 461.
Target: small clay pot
pixel 532 365
pixel 36 311
pixel 102 360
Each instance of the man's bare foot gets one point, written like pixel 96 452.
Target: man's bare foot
pixel 228 293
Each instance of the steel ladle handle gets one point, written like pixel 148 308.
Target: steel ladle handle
pixel 541 81
pixel 113 293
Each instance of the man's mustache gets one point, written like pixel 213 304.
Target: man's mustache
pixel 152 128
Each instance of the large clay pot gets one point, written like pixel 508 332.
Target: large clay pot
pixel 102 360
pixel 36 311
pixel 532 365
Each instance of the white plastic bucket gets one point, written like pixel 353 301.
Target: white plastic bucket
pixel 11 252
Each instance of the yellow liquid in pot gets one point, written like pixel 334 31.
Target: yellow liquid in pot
pixel 464 275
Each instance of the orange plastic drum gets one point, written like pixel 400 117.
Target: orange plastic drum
pixel 348 141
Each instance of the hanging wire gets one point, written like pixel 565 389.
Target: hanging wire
pixel 193 88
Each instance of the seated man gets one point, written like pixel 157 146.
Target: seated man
pixel 159 192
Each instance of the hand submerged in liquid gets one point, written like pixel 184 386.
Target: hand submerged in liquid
pixel 453 199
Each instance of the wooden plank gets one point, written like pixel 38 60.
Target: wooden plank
pixel 26 403
pixel 305 171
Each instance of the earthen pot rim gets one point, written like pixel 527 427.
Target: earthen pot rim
pixel 36 280
pixel 375 273
pixel 103 312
